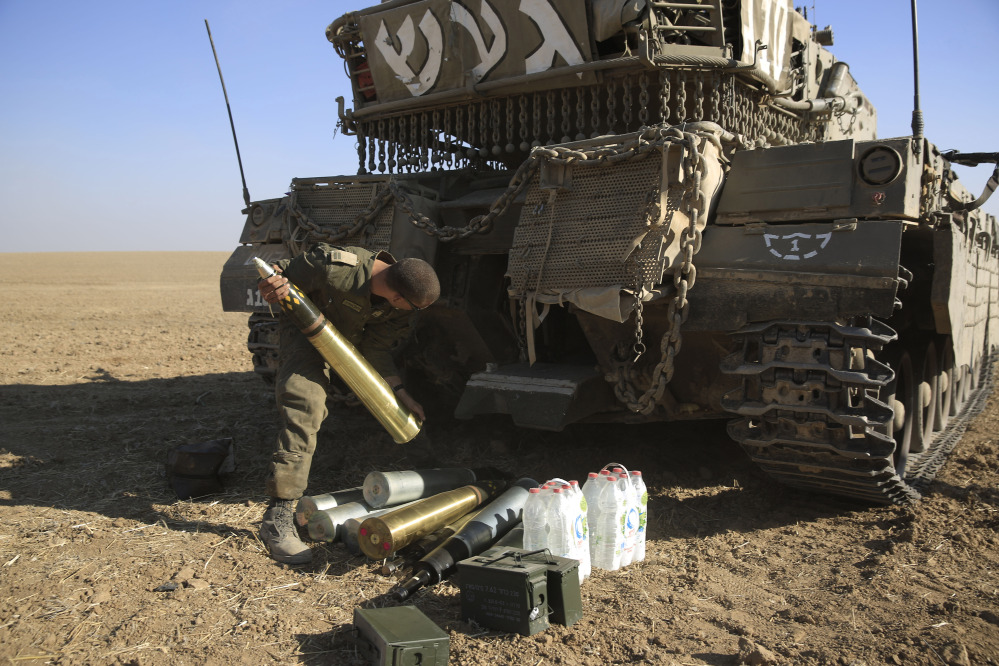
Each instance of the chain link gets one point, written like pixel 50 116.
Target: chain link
pixel 643 99
pixel 522 121
pixel 664 92
pixel 565 116
pixel 627 101
pixel 611 106
pixel 694 201
pixel 381 146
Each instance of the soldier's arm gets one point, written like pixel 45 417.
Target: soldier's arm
pixel 379 340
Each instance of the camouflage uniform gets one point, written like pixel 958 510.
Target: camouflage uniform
pixel 338 282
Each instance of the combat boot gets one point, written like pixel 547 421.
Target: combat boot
pixel 279 534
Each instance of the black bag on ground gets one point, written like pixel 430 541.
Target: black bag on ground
pixel 194 470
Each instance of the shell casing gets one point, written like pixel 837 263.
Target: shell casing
pixel 388 488
pixel 309 504
pixel 327 524
pixel 341 355
pixel 381 536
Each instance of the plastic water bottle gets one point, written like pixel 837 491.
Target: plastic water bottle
pixel 608 530
pixel 535 519
pixel 578 548
pixel 643 514
pixel 559 541
pixel 591 489
pixel 581 531
pixel 630 507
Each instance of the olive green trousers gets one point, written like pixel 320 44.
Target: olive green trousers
pixel 300 389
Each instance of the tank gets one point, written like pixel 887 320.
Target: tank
pixel 656 211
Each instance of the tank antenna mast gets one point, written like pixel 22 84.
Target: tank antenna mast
pixel 246 192
pixel 917 113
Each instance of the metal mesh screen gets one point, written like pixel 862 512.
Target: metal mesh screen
pixel 334 205
pixel 583 237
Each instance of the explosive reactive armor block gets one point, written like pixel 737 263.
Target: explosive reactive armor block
pixel 400 636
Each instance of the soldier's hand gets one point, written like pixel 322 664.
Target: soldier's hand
pixel 411 404
pixel 274 288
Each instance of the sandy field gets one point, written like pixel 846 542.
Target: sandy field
pixel 110 360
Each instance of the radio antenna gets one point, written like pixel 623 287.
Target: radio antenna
pixel 246 192
pixel 917 113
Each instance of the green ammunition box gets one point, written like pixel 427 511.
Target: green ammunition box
pixel 565 602
pixel 503 592
pixel 400 636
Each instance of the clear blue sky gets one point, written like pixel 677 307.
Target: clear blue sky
pixel 114 133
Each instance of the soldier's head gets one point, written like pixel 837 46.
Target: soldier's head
pixel 415 281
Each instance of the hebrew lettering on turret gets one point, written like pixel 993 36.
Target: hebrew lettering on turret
pixel 432 32
pixel 555 37
pixel 488 56
pixel 439 45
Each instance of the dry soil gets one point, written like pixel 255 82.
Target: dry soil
pixel 109 361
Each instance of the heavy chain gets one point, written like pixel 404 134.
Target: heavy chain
pixel 509 147
pixel 611 106
pixel 643 99
pixel 626 113
pixel 681 97
pixel 479 224
pixel 424 147
pixel 664 92
pixel 565 116
pixel 550 105
pixel 381 146
pixel 699 96
pixel 364 221
pixel 494 122
pixel 594 112
pixel 393 147
pixel 361 143
pixel 716 106
pixel 683 279
pixel 522 121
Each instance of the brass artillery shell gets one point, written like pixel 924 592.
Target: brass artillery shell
pixel 381 536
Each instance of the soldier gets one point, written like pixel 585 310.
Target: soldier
pixel 369 297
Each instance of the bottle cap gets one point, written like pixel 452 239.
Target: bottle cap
pixel 636 473
pixel 534 490
pixel 592 475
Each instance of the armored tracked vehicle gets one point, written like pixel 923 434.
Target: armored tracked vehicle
pixel 656 211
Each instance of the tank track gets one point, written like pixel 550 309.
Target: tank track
pixel 811 413
pixel 263 342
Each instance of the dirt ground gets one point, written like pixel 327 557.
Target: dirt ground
pixel 109 361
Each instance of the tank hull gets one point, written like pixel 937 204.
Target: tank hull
pixel 648 233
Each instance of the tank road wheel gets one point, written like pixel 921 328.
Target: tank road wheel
pixel 928 394
pixel 263 342
pixel 975 374
pixel 902 395
pixel 959 389
pixel 945 386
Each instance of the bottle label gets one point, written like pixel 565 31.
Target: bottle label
pixel 631 522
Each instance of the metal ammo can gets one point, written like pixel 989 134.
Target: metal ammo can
pixel 400 636
pixel 565 602
pixel 502 590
